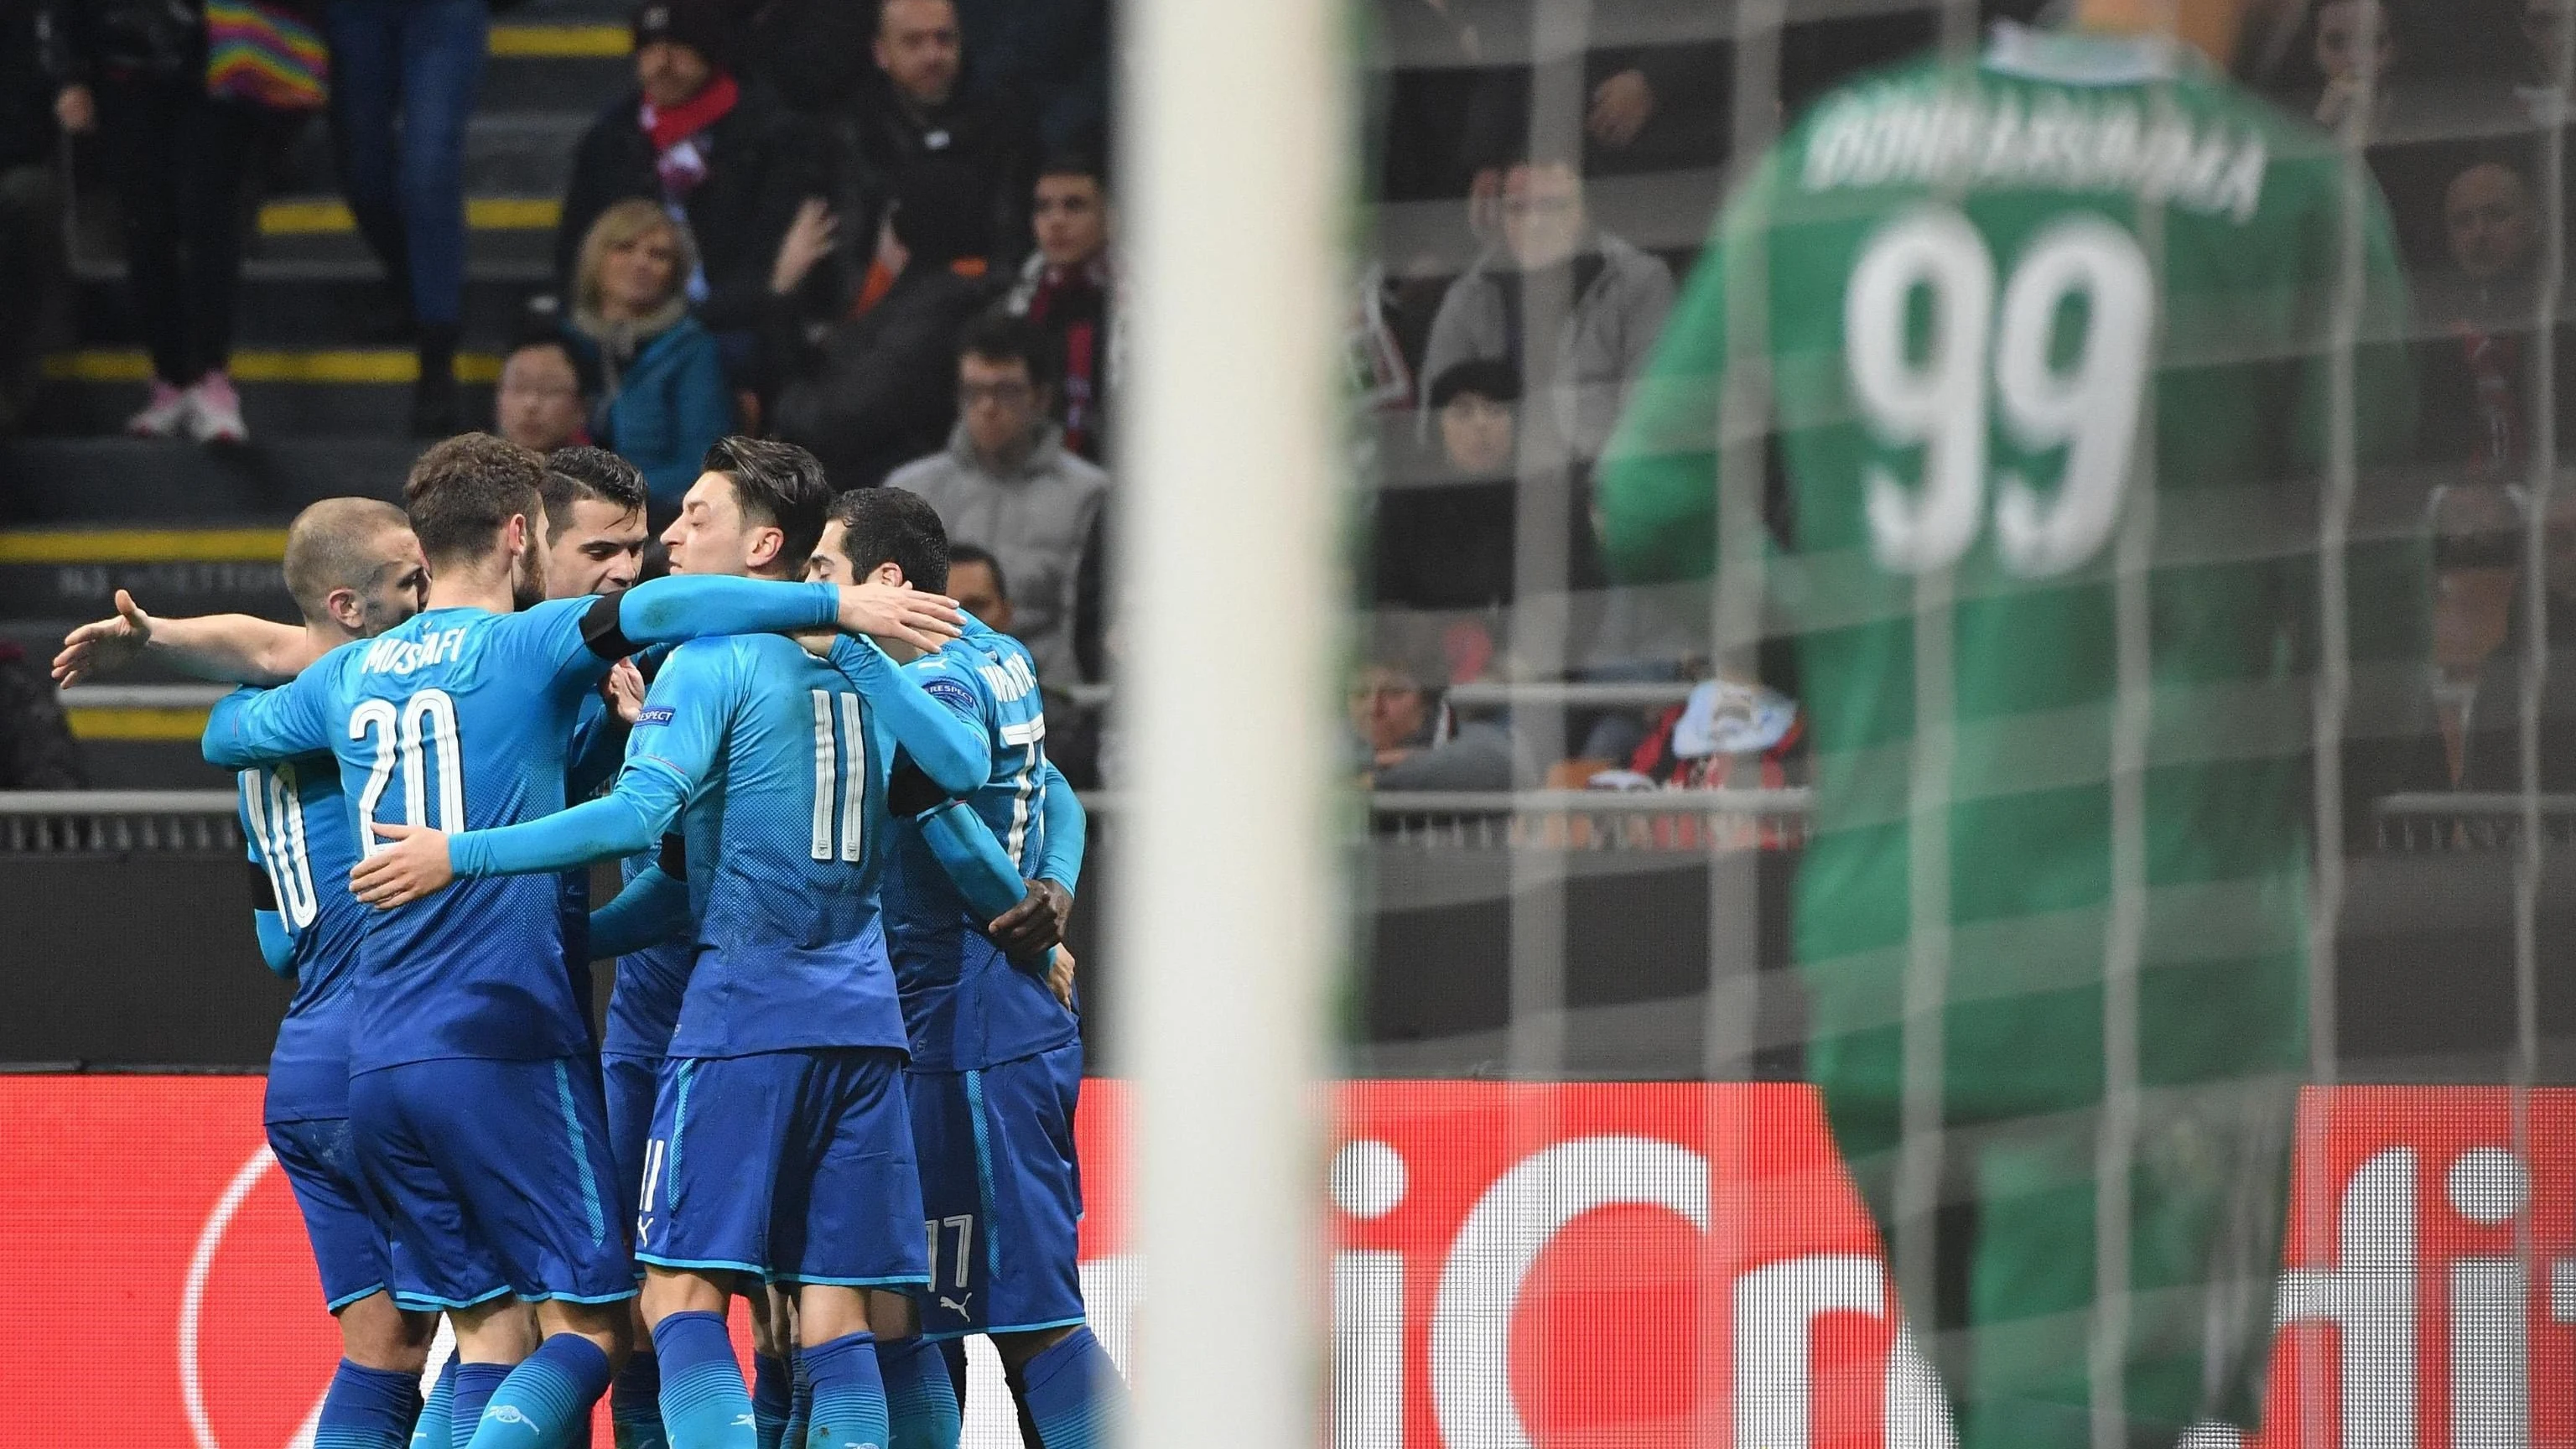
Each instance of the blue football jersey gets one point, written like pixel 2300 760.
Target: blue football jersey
pixel 297 826
pixel 784 771
pixel 458 719
pixel 644 1000
pixel 964 1003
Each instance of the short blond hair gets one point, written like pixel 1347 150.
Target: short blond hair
pixel 330 546
pixel 622 224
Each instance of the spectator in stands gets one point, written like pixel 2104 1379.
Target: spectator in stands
pixel 810 53
pixel 656 373
pixel 1444 541
pixel 1403 736
pixel 403 78
pixel 538 405
pixel 2476 364
pixel 1069 291
pixel 914 109
pixel 1054 52
pixel 2493 748
pixel 975 581
pixel 135 71
pixel 36 747
pixel 703 145
pixel 1006 483
pixel 878 389
pixel 1645 107
pixel 35 304
pixel 1575 367
pixel 2477 568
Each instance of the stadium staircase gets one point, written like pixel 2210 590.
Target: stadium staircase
pixel 326 389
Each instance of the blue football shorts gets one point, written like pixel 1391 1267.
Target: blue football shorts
pixel 632 1084
pixel 795 1166
pixel 1001 1195
pixel 321 1165
pixel 492 1177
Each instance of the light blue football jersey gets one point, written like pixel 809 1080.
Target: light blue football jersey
pixel 965 1004
pixel 297 828
pixel 784 769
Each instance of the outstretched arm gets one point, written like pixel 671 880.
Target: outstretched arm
pixel 652 910
pixel 949 750
pixel 226 648
pixel 682 607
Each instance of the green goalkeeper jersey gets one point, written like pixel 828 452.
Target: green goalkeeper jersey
pixel 2052 343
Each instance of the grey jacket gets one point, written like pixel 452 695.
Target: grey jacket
pixel 1596 354
pixel 1036 519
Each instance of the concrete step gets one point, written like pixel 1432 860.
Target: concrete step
pixel 302 304
pixel 178 488
pixel 286 392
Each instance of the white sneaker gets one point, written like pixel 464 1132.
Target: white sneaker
pixel 214 414
pixel 166 415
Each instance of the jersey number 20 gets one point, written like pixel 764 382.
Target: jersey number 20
pixel 1987 364
pixel 418 734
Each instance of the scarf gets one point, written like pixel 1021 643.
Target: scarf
pixel 619 341
pixel 677 157
pixel 1074 303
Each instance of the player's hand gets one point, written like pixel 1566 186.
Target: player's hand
pixel 624 690
pixel 415 865
pixel 1621 106
pixel 884 612
pixel 1059 977
pixel 1025 931
pixel 105 647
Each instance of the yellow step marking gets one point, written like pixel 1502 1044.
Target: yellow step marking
pixel 329 216
pixel 304 365
pixel 143 545
pixel 136 724
pixel 539 42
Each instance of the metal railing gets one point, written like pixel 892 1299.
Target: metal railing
pixel 116 822
pixel 2437 821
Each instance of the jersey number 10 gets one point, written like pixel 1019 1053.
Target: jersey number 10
pixel 1987 364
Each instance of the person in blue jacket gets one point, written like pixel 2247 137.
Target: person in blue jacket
pixel 656 372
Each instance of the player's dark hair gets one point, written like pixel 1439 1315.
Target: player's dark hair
pixel 968 553
pixel 576 473
pixel 779 484
pixel 1071 162
pixel 889 525
pixel 1001 337
pixel 326 549
pixel 463 490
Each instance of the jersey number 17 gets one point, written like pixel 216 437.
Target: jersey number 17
pixel 1987 363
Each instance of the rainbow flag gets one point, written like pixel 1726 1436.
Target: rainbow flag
pixel 265 55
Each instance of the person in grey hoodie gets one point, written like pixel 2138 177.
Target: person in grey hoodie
pixel 1605 301
pixel 1006 483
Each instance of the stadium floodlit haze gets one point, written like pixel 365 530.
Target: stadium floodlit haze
pixel 1948 769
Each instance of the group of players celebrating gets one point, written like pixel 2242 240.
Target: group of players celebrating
pixel 842 1056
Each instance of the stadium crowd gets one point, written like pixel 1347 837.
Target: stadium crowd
pixel 885 230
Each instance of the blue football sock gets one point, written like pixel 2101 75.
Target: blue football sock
pixel 773 1398
pixel 802 1411
pixel 704 1402
pixel 475 1383
pixel 849 1398
pixel 432 1430
pixel 1073 1393
pixel 545 1398
pixel 635 1403
pixel 367 1409
pixel 953 1352
pixel 921 1405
